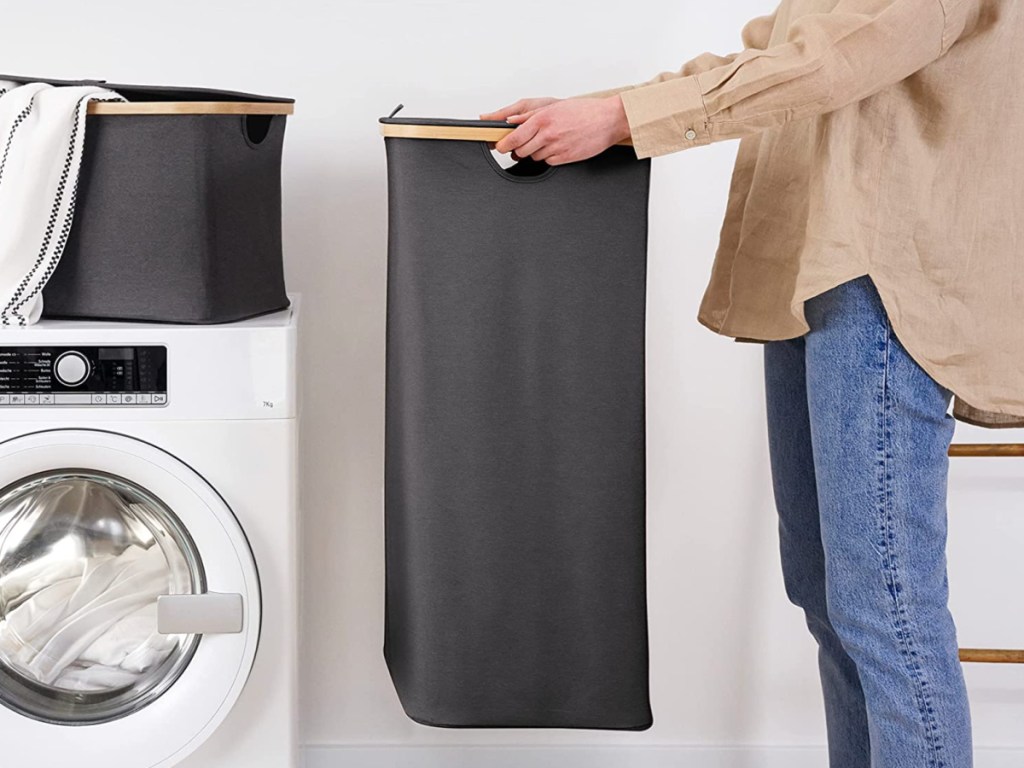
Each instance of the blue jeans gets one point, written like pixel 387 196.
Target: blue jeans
pixel 858 436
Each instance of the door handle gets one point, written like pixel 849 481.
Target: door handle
pixel 211 613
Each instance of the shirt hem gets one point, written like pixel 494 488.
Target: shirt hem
pixel 1006 419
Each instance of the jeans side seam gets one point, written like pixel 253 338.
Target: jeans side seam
pixel 893 584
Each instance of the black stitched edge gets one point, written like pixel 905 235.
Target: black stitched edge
pixel 11 308
pixel 26 290
pixel 18 121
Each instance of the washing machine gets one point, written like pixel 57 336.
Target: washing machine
pixel 148 529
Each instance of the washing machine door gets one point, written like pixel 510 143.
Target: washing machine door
pixel 129 603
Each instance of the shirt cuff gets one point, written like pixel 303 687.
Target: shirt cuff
pixel 667 116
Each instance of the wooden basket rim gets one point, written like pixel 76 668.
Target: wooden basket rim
pixel 190 108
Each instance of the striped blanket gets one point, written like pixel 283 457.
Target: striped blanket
pixel 42 133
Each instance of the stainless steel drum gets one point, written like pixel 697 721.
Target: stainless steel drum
pixel 83 558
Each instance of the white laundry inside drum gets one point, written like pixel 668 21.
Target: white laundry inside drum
pixel 83 558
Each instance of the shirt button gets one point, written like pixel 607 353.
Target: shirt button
pixel 691 135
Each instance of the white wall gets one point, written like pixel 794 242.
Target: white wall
pixel 732 663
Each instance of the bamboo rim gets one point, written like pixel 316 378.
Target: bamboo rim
pixel 190 108
pixel 452 132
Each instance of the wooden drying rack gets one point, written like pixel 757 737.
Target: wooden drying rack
pixel 987 450
pixel 190 108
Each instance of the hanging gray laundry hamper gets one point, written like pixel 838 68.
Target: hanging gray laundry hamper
pixel 178 208
pixel 514 459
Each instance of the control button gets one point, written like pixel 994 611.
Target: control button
pixel 5 399
pixel 144 399
pixel 114 399
pixel 31 399
pixel 71 369
pixel 17 399
pixel 128 399
pixel 99 398
pixel 46 399
pixel 159 399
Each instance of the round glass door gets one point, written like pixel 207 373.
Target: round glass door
pixel 84 555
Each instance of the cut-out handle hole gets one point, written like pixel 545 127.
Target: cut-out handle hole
pixel 257 127
pixel 524 168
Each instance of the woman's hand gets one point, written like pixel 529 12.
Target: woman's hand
pixel 563 131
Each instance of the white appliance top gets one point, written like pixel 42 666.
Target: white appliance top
pixel 87 371
pixel 283 319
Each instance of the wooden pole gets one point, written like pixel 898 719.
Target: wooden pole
pixel 991 656
pixel 987 449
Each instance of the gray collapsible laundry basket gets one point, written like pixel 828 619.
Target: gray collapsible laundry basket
pixel 514 461
pixel 178 209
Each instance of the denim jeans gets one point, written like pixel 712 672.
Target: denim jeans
pixel 858 438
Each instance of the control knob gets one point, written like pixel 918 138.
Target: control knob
pixel 71 369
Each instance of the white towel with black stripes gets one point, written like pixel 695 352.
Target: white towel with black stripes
pixel 42 133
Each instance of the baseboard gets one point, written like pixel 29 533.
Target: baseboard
pixel 596 757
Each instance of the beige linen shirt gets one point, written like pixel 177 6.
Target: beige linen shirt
pixel 881 138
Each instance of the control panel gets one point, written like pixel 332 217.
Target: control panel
pixel 83 376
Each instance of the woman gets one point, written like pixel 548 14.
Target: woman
pixel 873 239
